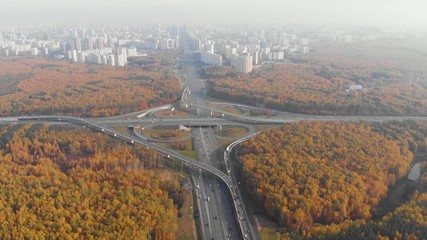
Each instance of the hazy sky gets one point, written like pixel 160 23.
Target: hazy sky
pixel 411 13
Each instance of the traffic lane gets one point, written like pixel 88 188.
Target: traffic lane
pixel 224 198
pixel 209 233
pixel 216 218
pixel 211 207
pixel 208 209
pixel 219 190
pixel 217 208
pixel 224 204
pixel 134 139
pixel 229 225
pixel 208 134
pixel 199 215
pixel 213 222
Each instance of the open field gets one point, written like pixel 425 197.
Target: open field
pixel 170 113
pixel 231 131
pixel 186 225
pixel 226 108
pixel 166 133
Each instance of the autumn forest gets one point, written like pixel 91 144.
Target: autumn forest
pixel 70 183
pixel 326 179
pixel 314 180
pixel 37 86
pixel 390 73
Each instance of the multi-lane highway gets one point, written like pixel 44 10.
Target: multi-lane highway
pixel 134 139
pixel 243 120
pixel 217 210
pixel 219 201
pixel 216 192
pixel 222 214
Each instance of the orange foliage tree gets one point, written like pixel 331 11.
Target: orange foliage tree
pixel 322 173
pixel 71 184
pixel 39 86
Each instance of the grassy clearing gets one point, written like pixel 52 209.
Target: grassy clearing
pixel 228 109
pixel 265 127
pixel 189 150
pixel 170 113
pixel 268 233
pixel 186 224
pixel 121 129
pixel 190 154
pixel 183 147
pixel 232 132
pixel 166 133
pixel 232 110
pixel 268 227
pixel 225 142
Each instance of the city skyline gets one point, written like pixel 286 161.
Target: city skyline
pixel 213 120
pixel 378 13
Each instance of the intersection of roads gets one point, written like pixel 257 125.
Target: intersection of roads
pixel 222 214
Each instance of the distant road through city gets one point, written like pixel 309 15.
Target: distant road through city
pixel 222 212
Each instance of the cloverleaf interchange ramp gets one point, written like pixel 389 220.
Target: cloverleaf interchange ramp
pixel 197 103
pixel 134 139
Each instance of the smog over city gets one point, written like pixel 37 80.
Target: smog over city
pixel 196 119
pixel 409 13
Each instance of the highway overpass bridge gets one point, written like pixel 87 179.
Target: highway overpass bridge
pixel 135 139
